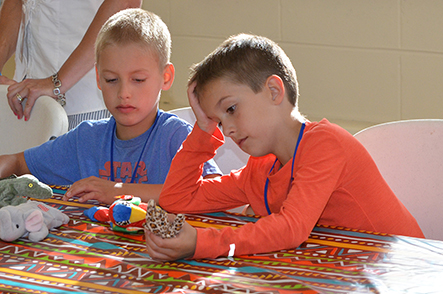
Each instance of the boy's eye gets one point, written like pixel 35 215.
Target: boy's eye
pixel 231 109
pixel 139 80
pixel 110 80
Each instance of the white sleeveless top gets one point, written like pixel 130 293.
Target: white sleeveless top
pixel 50 31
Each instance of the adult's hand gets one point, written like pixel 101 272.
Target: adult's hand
pixel 31 89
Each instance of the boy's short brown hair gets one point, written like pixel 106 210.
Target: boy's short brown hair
pixel 136 25
pixel 247 59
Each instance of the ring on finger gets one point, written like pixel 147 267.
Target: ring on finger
pixel 19 97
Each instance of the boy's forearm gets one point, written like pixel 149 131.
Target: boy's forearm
pixel 10 19
pixel 184 178
pixel 144 191
pixel 13 164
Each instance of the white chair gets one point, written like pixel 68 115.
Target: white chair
pixel 409 155
pixel 229 156
pixel 48 119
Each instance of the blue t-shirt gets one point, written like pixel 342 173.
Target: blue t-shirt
pixel 86 151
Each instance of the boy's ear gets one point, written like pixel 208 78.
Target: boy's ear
pixel 277 89
pixel 168 76
pixel 97 77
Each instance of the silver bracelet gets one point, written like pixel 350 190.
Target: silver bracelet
pixel 60 97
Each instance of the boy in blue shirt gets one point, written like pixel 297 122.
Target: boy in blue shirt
pixel 106 158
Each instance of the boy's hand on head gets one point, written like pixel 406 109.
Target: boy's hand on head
pixel 204 122
pixel 181 246
pixel 93 188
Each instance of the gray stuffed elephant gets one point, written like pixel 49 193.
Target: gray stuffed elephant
pixel 32 219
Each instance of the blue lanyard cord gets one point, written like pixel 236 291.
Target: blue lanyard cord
pixel 300 135
pixel 141 154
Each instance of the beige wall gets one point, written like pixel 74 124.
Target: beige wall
pixel 359 62
pixel 8 69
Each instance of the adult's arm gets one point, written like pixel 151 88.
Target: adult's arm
pixel 80 62
pixel 82 59
pixel 10 19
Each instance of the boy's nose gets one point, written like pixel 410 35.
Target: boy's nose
pixel 124 92
pixel 227 130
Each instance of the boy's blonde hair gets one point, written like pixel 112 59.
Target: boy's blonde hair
pixel 136 25
pixel 250 60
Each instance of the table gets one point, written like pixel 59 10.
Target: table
pixel 88 257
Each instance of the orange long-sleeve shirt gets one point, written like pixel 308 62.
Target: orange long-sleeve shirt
pixel 336 182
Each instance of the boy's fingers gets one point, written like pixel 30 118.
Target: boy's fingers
pixel 81 186
pixel 151 243
pixel 86 197
pixel 158 256
pixel 193 101
pixel 72 191
pixel 157 243
pixel 204 122
pixel 93 195
pixel 157 247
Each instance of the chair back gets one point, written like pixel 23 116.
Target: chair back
pixel 229 156
pixel 48 119
pixel 409 155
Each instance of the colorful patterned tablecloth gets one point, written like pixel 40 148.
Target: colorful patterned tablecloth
pixel 88 257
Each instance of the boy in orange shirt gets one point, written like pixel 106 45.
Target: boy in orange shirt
pixel 300 173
